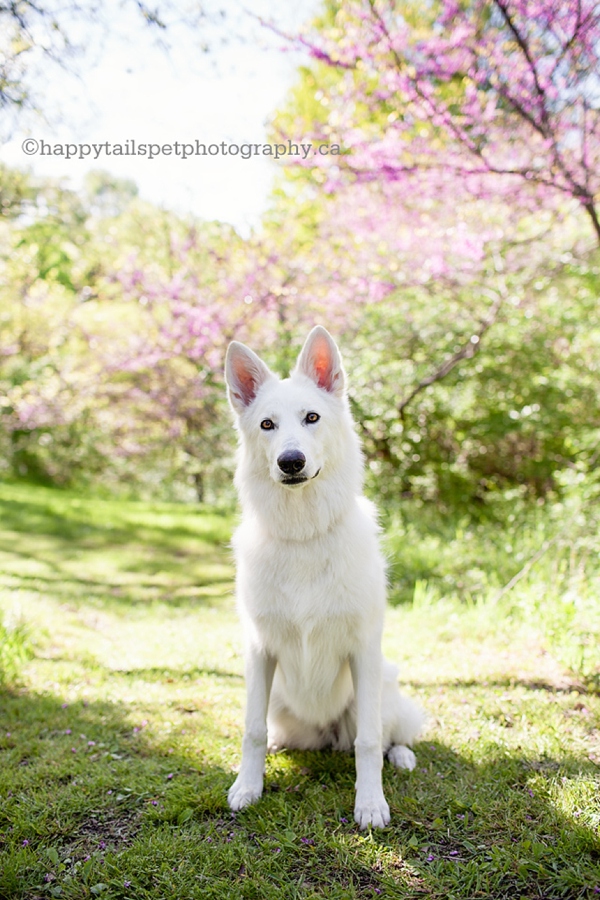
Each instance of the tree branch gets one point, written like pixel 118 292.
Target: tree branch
pixel 528 566
pixel 467 351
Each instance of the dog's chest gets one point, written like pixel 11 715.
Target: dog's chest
pixel 302 582
pixel 309 637
pixel 311 597
pixel 308 608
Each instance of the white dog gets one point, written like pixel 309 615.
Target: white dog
pixel 311 579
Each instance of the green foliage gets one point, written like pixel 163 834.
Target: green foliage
pixel 16 192
pixel 516 415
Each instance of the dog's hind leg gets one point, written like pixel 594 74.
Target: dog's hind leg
pixel 402 720
pixel 402 757
pixel 285 731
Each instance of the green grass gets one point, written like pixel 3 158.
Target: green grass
pixel 120 737
pixel 537 563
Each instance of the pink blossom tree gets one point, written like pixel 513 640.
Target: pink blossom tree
pixel 499 98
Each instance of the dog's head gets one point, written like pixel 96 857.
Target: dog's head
pixel 290 425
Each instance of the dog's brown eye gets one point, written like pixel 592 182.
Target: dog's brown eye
pixel 312 417
pixel 267 424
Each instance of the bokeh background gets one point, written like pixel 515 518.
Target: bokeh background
pixel 449 240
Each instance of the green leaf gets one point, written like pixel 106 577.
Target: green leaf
pixel 52 855
pixel 87 868
pixel 185 815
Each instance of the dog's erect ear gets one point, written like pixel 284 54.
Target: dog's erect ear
pixel 320 360
pixel 245 373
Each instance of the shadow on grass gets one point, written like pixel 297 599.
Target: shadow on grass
pixel 35 510
pixel 206 590
pixel 164 673
pixel 459 829
pixel 83 792
pixel 565 684
pixel 496 828
pixel 112 553
pixel 89 799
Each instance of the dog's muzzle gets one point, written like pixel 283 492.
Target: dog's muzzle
pixel 291 464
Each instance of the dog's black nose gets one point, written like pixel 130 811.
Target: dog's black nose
pixel 291 462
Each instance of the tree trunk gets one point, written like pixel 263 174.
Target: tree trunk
pixel 199 485
pixel 592 213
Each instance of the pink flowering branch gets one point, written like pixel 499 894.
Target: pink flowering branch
pixel 505 89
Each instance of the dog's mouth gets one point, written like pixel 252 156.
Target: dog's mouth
pixel 292 480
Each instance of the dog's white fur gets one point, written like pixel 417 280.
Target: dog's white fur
pixel 311 579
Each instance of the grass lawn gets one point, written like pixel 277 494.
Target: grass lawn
pixel 122 734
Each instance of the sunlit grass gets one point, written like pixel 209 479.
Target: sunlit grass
pixel 120 739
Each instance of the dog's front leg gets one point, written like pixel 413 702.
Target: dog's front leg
pixel 248 786
pixel 370 807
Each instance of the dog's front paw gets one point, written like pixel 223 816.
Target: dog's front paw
pixel 402 757
pixel 243 792
pixel 373 812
